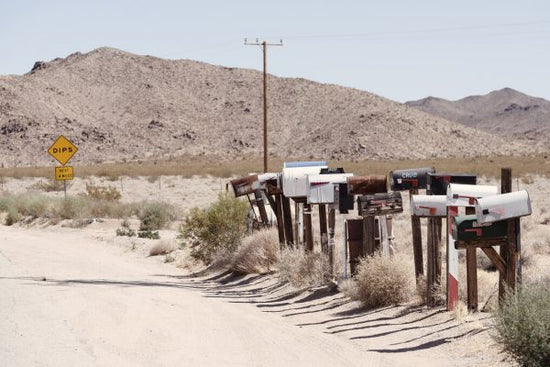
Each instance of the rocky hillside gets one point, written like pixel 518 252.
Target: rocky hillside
pixel 115 105
pixel 505 112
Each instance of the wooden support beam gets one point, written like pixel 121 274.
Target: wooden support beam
pixel 433 261
pixel 417 241
pixel 489 242
pixel 261 207
pixel 308 230
pixel 493 255
pixel 323 227
pixel 471 276
pixel 280 219
pixel 331 235
pixel 505 187
pixel 287 218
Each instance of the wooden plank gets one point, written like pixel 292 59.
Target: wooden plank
pixel 505 187
pixel 481 243
pixel 331 234
pixel 417 242
pixel 323 227
pixel 431 262
pixel 287 218
pixel 259 200
pixel 369 236
pixel 493 255
pixel 471 277
pixel 308 230
pixel 280 219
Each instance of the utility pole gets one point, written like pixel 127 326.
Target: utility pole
pixel 264 45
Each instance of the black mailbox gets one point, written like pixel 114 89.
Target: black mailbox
pixel 345 201
pixel 407 179
pixel 438 182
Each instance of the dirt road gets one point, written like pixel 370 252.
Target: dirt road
pixel 69 299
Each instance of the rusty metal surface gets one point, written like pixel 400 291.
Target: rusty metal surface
pixel 380 204
pixel 244 185
pixel 362 185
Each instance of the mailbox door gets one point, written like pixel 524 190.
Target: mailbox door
pixel 407 179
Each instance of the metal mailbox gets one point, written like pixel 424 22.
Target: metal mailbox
pixel 467 228
pixel 294 177
pixel 429 205
pixel 365 185
pixel 466 195
pixel 248 184
pixel 345 201
pixel 438 182
pixel 380 204
pixel 321 187
pixel 500 207
pixel 407 179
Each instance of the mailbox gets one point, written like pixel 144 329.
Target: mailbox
pixel 321 187
pixel 500 207
pixel 438 182
pixel 467 228
pixel 429 205
pixel 407 179
pixel 294 177
pixel 466 195
pixel 363 185
pixel 380 204
pixel 248 184
pixel 346 201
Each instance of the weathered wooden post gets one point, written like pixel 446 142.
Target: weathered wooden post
pixel 287 218
pixel 412 180
pixel 323 227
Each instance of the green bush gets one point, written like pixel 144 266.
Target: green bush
pixel 152 235
pixel 13 216
pixel 220 227
pixel 125 230
pixel 154 216
pixel 523 325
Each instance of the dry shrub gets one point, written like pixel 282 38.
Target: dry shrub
pixel 303 269
pixel 460 311
pixel 383 281
pixel 523 325
pixel 107 193
pixel 163 248
pixel 257 253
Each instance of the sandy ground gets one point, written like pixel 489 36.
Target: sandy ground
pixel 86 297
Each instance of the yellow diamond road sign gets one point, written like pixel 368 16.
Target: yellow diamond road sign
pixel 62 150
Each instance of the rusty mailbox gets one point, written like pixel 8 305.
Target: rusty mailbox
pixel 294 177
pixel 410 179
pixel 248 184
pixel 380 204
pixel 437 182
pixel 363 185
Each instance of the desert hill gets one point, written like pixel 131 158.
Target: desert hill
pixel 115 105
pixel 505 112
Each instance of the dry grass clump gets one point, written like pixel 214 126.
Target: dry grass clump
pixel 106 193
pixel 163 247
pixel 303 269
pixel 258 253
pixel 382 281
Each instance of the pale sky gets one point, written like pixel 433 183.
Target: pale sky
pixel 400 49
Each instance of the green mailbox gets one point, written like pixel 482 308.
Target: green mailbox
pixel 466 228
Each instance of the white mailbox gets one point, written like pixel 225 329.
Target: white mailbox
pixel 320 188
pixel 429 205
pixel 500 207
pixel 294 177
pixel 466 195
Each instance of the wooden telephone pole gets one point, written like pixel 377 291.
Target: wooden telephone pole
pixel 264 45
